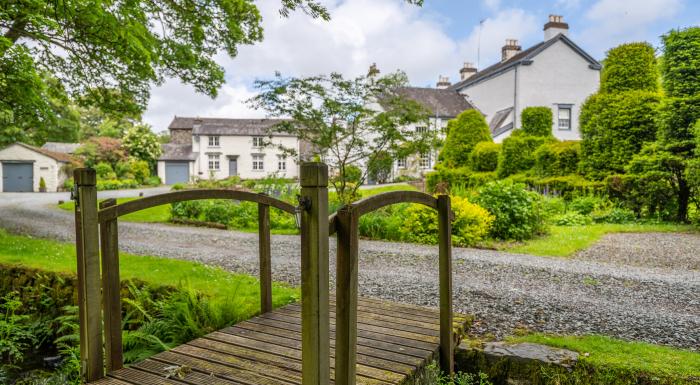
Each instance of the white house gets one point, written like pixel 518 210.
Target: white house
pixel 555 73
pixel 203 148
pixel 23 167
pixel 443 104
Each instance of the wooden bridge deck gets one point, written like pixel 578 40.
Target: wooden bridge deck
pixel 395 341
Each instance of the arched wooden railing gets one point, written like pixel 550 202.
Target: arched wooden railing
pixel 92 278
pixel 346 223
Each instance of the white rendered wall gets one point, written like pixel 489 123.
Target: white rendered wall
pixel 44 166
pixel 493 94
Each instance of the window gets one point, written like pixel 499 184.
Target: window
pixel 214 162
pixel 258 164
pixel 281 163
pixel 564 117
pixel 425 160
pixel 401 163
pixel 421 129
pixel 257 141
pixel 213 141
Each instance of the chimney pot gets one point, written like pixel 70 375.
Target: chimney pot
pixel 555 26
pixel 467 71
pixel 510 49
pixel 443 82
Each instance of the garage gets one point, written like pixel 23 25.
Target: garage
pixel 17 177
pixel 177 172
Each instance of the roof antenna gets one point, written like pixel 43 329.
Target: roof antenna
pixel 478 46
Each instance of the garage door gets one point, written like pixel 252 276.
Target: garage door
pixel 17 177
pixel 177 172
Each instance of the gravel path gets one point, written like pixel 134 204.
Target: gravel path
pixel 659 304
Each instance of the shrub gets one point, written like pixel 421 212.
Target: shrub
pixel 385 223
pixel 139 169
pixel 614 215
pixel 572 219
pixel 42 184
pixel 517 211
pixel 553 206
pixel 153 180
pixel 116 184
pixel 537 121
pixel 379 167
pixel 484 157
pixel 353 174
pixel 586 204
pixel 463 133
pixel 567 187
pixel 219 211
pixel 629 67
pixel 557 158
pixel 517 153
pixel 681 63
pixel 448 180
pixel 471 223
pixel 187 209
pixel 104 170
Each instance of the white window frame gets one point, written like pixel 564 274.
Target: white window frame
pixel 567 126
pixel 258 162
pixel 214 141
pixel 422 129
pixel 214 162
pixel 401 162
pixel 258 141
pixel 425 161
pixel 281 163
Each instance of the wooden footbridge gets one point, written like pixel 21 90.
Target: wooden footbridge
pixel 327 338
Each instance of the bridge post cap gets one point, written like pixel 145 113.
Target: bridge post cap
pixel 314 174
pixel 85 177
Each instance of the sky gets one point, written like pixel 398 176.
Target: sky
pixel 425 42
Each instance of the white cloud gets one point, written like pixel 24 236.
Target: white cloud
pixel 506 24
pixel 612 22
pixel 361 32
pixel 492 4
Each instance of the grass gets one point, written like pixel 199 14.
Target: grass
pixel 220 285
pixel 635 357
pixel 154 214
pixel 564 241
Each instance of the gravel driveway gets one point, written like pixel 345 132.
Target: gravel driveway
pixel 658 301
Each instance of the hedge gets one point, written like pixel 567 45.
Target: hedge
pixel 629 67
pixel 557 159
pixel 484 157
pixel 537 121
pixel 517 153
pixel 445 179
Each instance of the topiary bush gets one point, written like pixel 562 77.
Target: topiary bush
pixel 471 223
pixel 628 67
pixel 484 156
pixel 517 211
pixel 517 153
pixel 463 133
pixel 537 121
pixel 557 158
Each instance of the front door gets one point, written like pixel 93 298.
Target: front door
pixel 233 167
pixel 17 177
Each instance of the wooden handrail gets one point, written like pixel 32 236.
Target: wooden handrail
pixel 119 210
pixel 378 201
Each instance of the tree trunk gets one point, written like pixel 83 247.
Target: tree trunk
pixel 683 199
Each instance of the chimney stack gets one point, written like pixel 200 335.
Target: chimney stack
pixel 467 71
pixel 510 49
pixel 443 82
pixel 555 26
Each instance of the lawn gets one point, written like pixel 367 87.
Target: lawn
pixel 564 241
pixel 622 356
pixel 220 285
pixel 154 214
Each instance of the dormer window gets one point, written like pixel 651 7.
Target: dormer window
pixel 213 141
pixel 258 141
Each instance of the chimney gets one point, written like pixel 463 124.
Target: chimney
pixel 555 26
pixel 467 71
pixel 510 49
pixel 443 82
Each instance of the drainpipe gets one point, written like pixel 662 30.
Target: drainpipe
pixel 515 99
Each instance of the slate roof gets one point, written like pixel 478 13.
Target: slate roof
pixel 524 57
pixel 442 103
pixel 174 151
pixel 65 148
pixel 226 126
pixel 64 158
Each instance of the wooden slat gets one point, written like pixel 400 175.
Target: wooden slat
pixel 445 274
pixel 389 198
pixel 188 375
pixel 111 291
pixel 346 296
pixel 265 258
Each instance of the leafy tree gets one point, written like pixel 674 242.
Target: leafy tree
pixel 141 143
pixel 102 149
pixel 343 122
pixel 379 168
pixel 620 119
pixel 680 64
pixel 463 134
pixel 537 121
pixel 629 67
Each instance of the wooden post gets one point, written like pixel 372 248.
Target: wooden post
pixel 87 248
pixel 445 240
pixel 111 289
pixel 315 318
pixel 346 296
pixel 265 258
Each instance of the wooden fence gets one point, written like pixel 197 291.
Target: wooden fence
pixel 99 281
